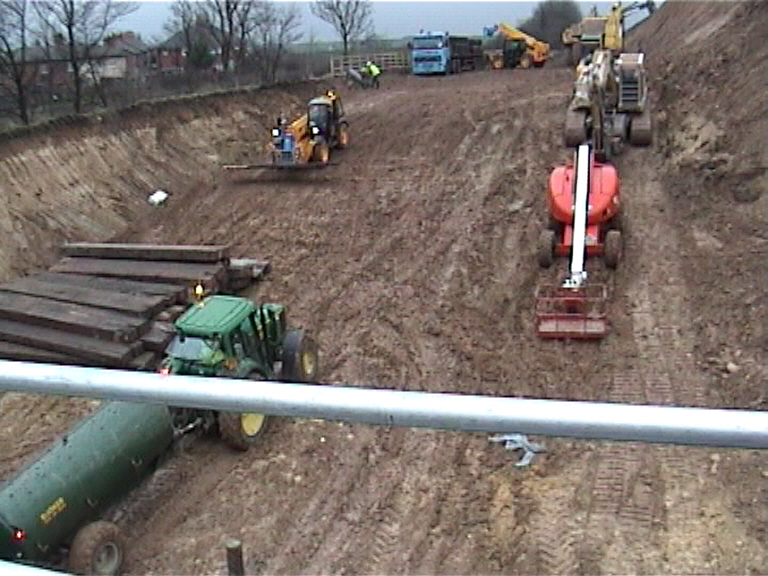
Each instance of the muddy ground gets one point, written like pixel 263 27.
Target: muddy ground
pixel 413 264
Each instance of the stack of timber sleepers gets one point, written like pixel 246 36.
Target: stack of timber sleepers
pixel 112 305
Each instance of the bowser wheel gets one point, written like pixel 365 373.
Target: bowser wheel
pixel 546 248
pixel 97 549
pixel 300 361
pixel 612 248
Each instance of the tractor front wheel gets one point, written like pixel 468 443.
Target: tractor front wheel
pixel 300 358
pixel 241 430
pixel 97 549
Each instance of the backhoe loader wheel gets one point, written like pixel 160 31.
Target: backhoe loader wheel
pixel 612 248
pixel 321 153
pixel 300 358
pixel 546 248
pixel 343 136
pixel 525 61
pixel 97 549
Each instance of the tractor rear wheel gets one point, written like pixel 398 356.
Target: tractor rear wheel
pixel 546 248
pixel 612 248
pixel 97 549
pixel 300 358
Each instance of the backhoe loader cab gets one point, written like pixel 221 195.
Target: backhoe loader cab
pixel 325 115
pixel 308 141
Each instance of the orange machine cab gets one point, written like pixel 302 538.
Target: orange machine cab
pixel 603 205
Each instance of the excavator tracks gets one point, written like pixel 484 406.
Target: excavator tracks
pixel 641 129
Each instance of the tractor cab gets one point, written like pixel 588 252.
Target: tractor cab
pixel 225 335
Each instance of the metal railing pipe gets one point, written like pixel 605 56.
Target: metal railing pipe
pixel 586 420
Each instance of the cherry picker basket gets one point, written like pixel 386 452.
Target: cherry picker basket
pixel 579 313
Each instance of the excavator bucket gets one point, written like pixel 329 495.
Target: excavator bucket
pixel 577 313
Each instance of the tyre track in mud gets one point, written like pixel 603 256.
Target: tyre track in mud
pixel 631 483
pixel 661 314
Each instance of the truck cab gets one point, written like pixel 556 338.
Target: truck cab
pixel 430 53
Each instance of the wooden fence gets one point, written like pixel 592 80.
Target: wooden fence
pixel 387 61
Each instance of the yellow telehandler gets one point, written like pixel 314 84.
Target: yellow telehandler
pixel 520 49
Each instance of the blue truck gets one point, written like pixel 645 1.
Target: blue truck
pixel 441 53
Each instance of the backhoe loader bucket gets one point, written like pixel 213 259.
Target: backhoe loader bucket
pixel 577 313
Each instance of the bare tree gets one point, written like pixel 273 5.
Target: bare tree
pixel 83 23
pixel 350 18
pixel 223 21
pixel 275 29
pixel 14 19
pixel 246 23
pixel 184 16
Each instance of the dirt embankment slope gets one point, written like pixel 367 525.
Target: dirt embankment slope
pixel 709 62
pixel 89 178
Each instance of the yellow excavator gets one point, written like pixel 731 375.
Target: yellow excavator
pixel 600 32
pixel 610 104
pixel 307 142
pixel 520 49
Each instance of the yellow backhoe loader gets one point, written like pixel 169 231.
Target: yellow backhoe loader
pixel 307 142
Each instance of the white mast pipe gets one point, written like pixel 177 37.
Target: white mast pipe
pixel 582 168
pixel 588 420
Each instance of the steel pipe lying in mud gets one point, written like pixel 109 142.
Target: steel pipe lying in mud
pixel 585 420
pixel 12 569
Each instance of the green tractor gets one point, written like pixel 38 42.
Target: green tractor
pixel 55 508
pixel 227 336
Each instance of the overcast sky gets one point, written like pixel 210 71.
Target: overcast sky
pixel 391 19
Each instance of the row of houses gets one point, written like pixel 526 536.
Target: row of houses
pixel 122 56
